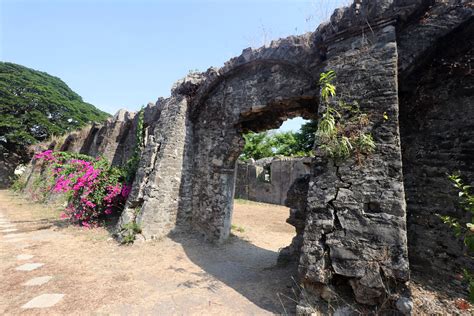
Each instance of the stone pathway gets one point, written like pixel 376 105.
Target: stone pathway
pixel 24 257
pixel 38 281
pixel 44 301
pixel 29 266
pixel 12 235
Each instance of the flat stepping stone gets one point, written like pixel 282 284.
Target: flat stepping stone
pixel 38 281
pixel 29 266
pixel 24 257
pixel 9 230
pixel 14 240
pixel 9 226
pixel 14 235
pixel 44 301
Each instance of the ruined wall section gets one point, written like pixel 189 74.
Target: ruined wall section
pixel 437 128
pixel 268 180
pixel 154 202
pixel 355 228
pixel 418 40
pixel 115 140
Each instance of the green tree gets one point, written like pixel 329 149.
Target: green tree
pixel 289 144
pixel 35 105
pixel 306 136
pixel 257 146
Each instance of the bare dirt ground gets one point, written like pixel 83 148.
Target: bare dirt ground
pixel 179 275
pixel 174 276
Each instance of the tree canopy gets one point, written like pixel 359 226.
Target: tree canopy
pixel 289 144
pixel 35 105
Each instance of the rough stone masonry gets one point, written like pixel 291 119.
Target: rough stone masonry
pixel 408 63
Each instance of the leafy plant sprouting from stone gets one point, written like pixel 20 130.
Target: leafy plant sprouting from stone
pixel 466 230
pixel 131 165
pixel 341 128
pixel 129 232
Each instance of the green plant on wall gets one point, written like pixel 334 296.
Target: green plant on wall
pixel 342 129
pixel 129 232
pixel 131 166
pixel 464 230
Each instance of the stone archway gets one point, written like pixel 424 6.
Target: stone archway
pixel 257 97
pixel 355 214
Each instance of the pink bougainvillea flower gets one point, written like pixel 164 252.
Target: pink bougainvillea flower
pixel 126 191
pixel 92 194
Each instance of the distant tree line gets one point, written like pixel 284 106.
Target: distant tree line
pixel 271 144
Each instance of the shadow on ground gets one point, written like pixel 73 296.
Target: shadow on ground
pixel 248 269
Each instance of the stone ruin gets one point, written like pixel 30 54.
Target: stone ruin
pixel 360 227
pixel 268 180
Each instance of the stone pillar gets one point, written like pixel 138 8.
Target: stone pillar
pixel 153 203
pixel 355 230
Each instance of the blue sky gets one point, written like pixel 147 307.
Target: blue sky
pixel 126 53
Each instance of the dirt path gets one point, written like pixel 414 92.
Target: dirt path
pixel 174 276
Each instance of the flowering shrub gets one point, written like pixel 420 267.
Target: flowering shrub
pixel 94 188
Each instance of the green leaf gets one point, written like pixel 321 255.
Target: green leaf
pixel 469 241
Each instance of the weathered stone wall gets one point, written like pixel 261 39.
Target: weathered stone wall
pixel 154 202
pixel 115 141
pixel 355 228
pixel 437 127
pixel 350 217
pixel 268 180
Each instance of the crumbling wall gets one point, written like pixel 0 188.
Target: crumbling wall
pixel 437 128
pixel 268 180
pixel 350 216
pixel 115 140
pixel 355 228
pixel 154 202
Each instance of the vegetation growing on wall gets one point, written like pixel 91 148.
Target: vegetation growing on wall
pixel 342 129
pixel 464 230
pixel 131 165
pixel 35 106
pixel 341 132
